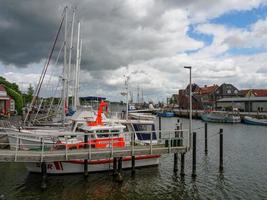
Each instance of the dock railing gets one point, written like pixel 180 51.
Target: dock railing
pixel 56 145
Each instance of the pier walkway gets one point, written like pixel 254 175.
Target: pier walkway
pixel 175 141
pixel 93 154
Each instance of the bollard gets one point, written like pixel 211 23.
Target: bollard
pixel 85 167
pixel 133 165
pixel 194 155
pixel 182 164
pixel 181 135
pixel 221 150
pixel 206 138
pixel 177 128
pixel 119 175
pixel 85 162
pixel 44 175
pixel 175 163
pixel 115 167
pixel 159 127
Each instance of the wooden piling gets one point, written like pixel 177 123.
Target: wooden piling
pixel 115 166
pixel 175 163
pixel 221 150
pixel 159 127
pixel 194 155
pixel 44 175
pixel 182 164
pixel 85 162
pixel 206 138
pixel 119 174
pixel 133 164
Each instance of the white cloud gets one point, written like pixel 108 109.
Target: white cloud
pixel 147 40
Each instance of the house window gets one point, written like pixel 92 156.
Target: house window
pixel 12 105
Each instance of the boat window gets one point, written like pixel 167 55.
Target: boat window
pixel 143 131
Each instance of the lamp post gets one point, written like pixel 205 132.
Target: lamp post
pixel 190 104
pixel 126 93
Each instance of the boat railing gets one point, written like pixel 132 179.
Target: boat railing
pixel 81 141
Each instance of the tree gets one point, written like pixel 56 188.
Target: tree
pixel 28 96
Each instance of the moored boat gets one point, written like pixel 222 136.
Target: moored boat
pixel 103 135
pixel 219 117
pixel 166 114
pixel 255 121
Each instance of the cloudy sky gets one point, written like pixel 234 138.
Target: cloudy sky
pixel 148 40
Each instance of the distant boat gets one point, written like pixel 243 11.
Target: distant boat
pixel 142 116
pixel 254 121
pixel 166 114
pixel 218 117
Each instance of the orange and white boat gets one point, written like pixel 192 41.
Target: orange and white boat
pixel 102 135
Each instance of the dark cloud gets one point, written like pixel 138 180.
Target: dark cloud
pixel 28 30
pixel 114 33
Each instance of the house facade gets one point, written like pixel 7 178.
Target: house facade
pixel 7 104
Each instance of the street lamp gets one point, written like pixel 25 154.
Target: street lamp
pixel 190 104
pixel 126 93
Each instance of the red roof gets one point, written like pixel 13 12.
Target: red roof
pixel 255 92
pixel 259 92
pixel 207 89
pixel 2 88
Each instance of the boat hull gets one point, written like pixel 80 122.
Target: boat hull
pixel 77 166
pixel 253 121
pixel 166 114
pixel 27 142
pixel 208 117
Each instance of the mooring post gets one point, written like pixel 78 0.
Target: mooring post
pixel 133 165
pixel 159 127
pixel 194 155
pixel 175 164
pixel 182 164
pixel 221 150
pixel 115 167
pixel 44 175
pixel 206 138
pixel 85 162
pixel 119 174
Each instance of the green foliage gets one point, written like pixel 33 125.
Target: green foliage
pixel 28 96
pixel 7 84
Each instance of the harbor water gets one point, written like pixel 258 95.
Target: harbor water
pixel 244 176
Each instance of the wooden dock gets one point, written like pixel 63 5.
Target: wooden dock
pixel 90 154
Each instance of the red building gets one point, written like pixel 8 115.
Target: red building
pixel 7 104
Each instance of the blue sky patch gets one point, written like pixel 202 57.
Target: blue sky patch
pixel 206 38
pixel 245 51
pixel 241 19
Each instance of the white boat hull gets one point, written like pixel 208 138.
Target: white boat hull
pixel 29 141
pixel 77 166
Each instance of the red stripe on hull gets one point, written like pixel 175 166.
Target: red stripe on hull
pixel 104 161
pixel 57 165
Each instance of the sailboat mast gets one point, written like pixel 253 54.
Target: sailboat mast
pixel 64 79
pixel 41 79
pixel 76 68
pixel 78 73
pixel 70 56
